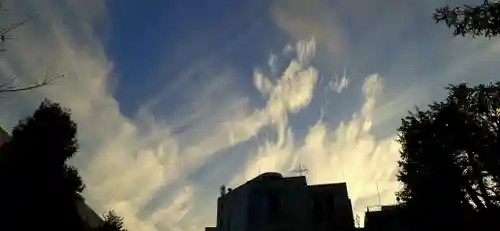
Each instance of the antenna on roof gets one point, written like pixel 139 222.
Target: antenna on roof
pixel 222 190
pixel 378 193
pixel 301 169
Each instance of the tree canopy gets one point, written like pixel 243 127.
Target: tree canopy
pixel 112 222
pixel 479 20
pixel 39 187
pixel 34 173
pixel 450 156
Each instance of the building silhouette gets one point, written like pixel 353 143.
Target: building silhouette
pixel 386 218
pixel 89 217
pixel 272 202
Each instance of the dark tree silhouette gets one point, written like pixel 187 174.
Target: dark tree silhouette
pixel 112 222
pixel 480 20
pixel 72 179
pixel 34 176
pixel 450 158
pixel 39 189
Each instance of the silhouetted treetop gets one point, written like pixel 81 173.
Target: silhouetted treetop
pixel 48 135
pixel 450 156
pixel 72 178
pixel 112 222
pixel 34 173
pixel 480 20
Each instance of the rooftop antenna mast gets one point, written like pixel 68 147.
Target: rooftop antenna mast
pixel 222 190
pixel 258 142
pixel 302 170
pixel 378 194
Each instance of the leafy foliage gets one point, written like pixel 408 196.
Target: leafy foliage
pixel 34 175
pixel 480 20
pixel 450 157
pixel 73 180
pixel 112 222
pixel 51 131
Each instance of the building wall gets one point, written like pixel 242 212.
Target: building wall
pixel 87 214
pixel 297 204
pixel 268 202
pixel 271 202
pixel 232 211
pixel 331 207
pixel 210 228
pixel 386 218
pixel 278 203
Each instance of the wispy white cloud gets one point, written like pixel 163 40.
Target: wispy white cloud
pixel 124 173
pixel 176 210
pixel 62 38
pixel 348 153
pixel 289 94
pixel 131 163
pixel 303 19
pixel 339 83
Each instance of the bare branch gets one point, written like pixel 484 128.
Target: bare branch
pixel 15 25
pixel 5 30
pixel 11 87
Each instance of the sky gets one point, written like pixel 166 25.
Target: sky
pixel 175 98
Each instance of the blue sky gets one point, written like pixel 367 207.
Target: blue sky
pixel 175 98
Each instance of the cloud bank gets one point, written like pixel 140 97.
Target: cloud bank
pixel 164 174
